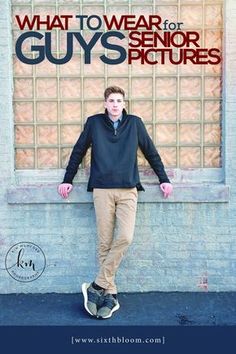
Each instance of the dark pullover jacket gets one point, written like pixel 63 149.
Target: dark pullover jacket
pixel 114 153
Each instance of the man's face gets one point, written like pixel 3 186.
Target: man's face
pixel 115 104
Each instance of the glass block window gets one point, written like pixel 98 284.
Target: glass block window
pixel 179 104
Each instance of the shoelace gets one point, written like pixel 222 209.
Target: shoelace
pixel 109 302
pixel 94 295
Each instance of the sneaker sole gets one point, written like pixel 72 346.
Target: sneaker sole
pixel 113 310
pixel 85 294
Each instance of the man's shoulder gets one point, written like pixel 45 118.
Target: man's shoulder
pixel 96 116
pixel 134 117
pixel 91 120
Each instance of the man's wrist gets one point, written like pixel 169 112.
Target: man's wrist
pixel 66 181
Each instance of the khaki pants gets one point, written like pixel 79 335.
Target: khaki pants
pixel 115 205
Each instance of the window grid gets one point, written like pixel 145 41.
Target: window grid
pixel 172 149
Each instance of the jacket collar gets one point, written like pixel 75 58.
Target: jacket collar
pixel 108 120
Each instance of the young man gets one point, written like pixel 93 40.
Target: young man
pixel 114 137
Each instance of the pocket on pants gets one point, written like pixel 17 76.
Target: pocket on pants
pixel 134 191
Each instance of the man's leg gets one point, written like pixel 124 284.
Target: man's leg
pixel 104 205
pixel 105 210
pixel 126 205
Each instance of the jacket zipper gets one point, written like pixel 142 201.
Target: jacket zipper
pixel 115 131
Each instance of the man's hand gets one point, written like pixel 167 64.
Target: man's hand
pixel 64 189
pixel 166 188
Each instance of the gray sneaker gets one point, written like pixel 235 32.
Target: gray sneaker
pixel 110 305
pixel 92 298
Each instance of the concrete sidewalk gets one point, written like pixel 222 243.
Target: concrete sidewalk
pixel 155 308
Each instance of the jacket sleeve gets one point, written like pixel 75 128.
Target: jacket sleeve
pixel 77 154
pixel 150 152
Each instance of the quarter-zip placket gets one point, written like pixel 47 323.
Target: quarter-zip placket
pixel 114 128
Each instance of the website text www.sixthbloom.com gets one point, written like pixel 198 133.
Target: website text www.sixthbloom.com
pixel 117 340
